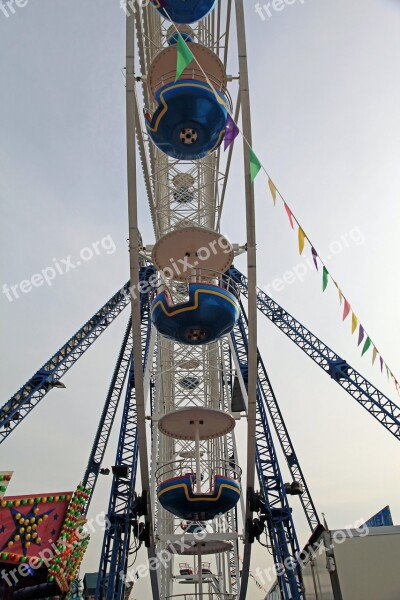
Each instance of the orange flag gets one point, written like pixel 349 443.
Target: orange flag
pixel 272 190
pixel 354 323
pixel 302 237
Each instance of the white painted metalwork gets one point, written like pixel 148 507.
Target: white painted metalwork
pixel 183 195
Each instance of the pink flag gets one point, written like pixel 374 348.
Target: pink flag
pixel 289 214
pixel 346 309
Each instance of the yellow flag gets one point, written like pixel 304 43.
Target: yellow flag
pixel 302 237
pixel 340 295
pixel 374 354
pixel 272 189
pixel 354 323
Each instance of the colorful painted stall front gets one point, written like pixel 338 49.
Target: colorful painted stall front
pixel 41 541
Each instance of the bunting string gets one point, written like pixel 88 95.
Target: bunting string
pixel 232 130
pixel 363 337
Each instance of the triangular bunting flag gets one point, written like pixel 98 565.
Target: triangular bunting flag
pixel 231 131
pixel 324 278
pixel 340 295
pixel 360 334
pixel 346 309
pixel 387 371
pixel 183 58
pixel 366 345
pixel 374 354
pixel 315 256
pixel 255 165
pixel 302 237
pixel 289 214
pixel 381 363
pixel 354 323
pixel 272 189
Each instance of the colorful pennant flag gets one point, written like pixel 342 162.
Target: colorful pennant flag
pixel 273 190
pixel 184 57
pixel 302 237
pixel 315 256
pixel 324 278
pixel 354 323
pixel 367 344
pixel 346 309
pixel 255 165
pixel 374 355
pixel 360 334
pixel 231 131
pixel 289 214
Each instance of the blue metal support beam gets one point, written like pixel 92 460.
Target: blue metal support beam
pixel 14 411
pixel 284 438
pixel 231 450
pixel 275 509
pixel 112 582
pixel 364 392
pixel 108 414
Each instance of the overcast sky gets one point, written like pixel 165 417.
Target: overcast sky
pixel 325 91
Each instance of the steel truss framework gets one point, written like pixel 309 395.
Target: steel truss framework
pixel 174 375
pixel 109 410
pixel 275 510
pixel 123 508
pixel 48 376
pixel 179 381
pixel 172 207
pixel 362 390
pixel 113 570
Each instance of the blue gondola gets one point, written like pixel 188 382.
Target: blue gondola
pixel 176 495
pixel 189 122
pixel 210 313
pixel 195 527
pixel 184 11
pixel 173 39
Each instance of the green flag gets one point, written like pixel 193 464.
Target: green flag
pixel 366 346
pixel 255 165
pixel 184 57
pixel 324 278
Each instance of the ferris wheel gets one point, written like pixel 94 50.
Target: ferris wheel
pixel 196 500
pixel 189 370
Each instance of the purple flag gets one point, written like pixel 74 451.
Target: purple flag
pixel 314 255
pixel 231 131
pixel 360 334
pixel 381 361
